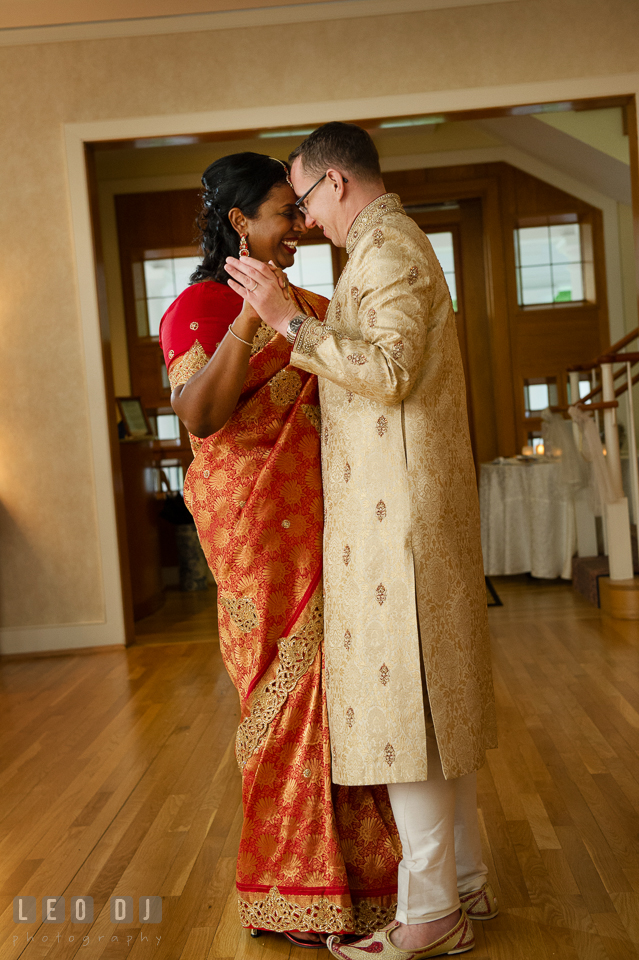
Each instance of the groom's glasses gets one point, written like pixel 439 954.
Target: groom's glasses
pixel 301 206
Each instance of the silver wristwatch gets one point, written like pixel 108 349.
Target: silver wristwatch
pixel 294 326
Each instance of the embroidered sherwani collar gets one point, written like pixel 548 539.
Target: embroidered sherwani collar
pixel 371 216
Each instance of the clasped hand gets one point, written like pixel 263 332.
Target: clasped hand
pixel 265 287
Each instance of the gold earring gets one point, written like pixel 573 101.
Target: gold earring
pixel 244 248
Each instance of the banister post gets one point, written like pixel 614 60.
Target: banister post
pixel 616 514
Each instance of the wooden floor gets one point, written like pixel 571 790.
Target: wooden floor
pixel 118 777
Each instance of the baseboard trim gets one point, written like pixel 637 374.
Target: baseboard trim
pixel 80 652
pixel 59 640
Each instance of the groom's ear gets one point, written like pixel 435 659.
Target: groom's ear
pixel 336 182
pixel 237 220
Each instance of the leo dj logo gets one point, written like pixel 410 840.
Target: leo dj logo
pixel 25 910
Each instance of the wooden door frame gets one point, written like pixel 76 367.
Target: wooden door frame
pixel 82 139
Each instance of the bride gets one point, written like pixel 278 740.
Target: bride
pixel 313 857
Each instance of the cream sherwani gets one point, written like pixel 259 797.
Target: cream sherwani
pixel 402 554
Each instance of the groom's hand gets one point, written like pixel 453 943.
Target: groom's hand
pixel 258 284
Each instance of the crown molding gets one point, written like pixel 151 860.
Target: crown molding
pixel 228 19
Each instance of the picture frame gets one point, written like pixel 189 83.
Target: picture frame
pixel 136 423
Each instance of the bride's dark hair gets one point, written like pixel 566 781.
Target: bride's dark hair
pixel 241 180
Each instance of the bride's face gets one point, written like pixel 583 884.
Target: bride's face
pixel 273 235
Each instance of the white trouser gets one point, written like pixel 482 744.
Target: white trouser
pixel 438 826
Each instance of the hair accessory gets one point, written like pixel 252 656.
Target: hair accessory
pixel 244 248
pixel 288 179
pixel 233 334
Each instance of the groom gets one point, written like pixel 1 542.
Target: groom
pixel 409 682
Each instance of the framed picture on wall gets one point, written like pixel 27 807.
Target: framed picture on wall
pixel 136 423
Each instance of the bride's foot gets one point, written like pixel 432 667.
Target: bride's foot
pixel 305 938
pixel 416 936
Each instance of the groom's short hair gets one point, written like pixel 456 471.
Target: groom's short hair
pixel 345 146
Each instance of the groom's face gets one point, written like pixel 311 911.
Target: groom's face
pixel 321 206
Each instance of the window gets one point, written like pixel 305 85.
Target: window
pixel 584 386
pixel 157 281
pixel 444 251
pixel 539 393
pixel 174 474
pixel 551 264
pixel 167 426
pixel 313 268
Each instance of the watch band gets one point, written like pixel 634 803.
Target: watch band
pixel 294 326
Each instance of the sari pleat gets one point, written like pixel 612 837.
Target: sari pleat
pixel 312 856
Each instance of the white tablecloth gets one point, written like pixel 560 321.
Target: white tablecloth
pixel 527 519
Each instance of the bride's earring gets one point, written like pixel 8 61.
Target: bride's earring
pixel 244 249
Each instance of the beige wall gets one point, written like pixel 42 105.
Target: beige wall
pixel 49 556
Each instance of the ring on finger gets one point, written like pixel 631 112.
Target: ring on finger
pixel 253 289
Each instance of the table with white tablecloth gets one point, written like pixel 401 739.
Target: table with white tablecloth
pixel 527 519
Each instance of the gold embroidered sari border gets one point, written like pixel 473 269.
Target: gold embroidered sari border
pixel 278 913
pixel 296 654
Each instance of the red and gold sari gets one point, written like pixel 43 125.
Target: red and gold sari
pixel 312 856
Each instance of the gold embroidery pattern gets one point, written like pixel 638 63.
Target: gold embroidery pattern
pixel 413 274
pixel 171 354
pixel 242 612
pixel 350 717
pixel 311 333
pixel 346 556
pixel 378 238
pixel 347 472
pixel 372 215
pixel 349 396
pixel 382 426
pixel 398 350
pixel 187 364
pixel 286 524
pixel 381 594
pixel 347 639
pixel 195 325
pixel 372 317
pixel 357 358
pixel 278 914
pixel 354 293
pixel 380 510
pixel 285 387
pixel 384 674
pixel 296 654
pixel 389 754
pixel 312 413
pixel 262 337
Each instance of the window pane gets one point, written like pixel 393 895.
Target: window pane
pixel 452 286
pixel 537 396
pixel 157 308
pixel 584 388
pixel 316 263
pixel 184 267
pixel 159 279
pixel 168 426
pixel 313 268
pixel 533 247
pixel 565 243
pixel 567 283
pixel 442 244
pixel 536 285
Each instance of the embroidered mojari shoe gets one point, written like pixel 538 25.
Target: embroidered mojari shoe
pixel 458 940
pixel 480 904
